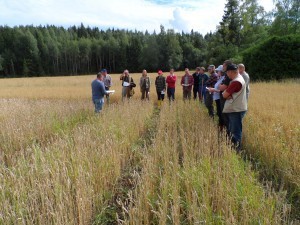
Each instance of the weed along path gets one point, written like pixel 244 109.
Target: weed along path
pixel 123 196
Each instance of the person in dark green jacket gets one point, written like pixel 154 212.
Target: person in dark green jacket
pixel 160 84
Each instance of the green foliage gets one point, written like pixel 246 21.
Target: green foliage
pixel 50 50
pixel 275 58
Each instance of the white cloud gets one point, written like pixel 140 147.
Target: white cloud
pixel 179 23
pixel 200 15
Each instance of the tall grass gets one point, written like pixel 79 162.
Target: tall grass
pixel 68 179
pixel 191 176
pixel 60 163
pixel 272 133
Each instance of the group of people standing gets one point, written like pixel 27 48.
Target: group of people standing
pixel 227 86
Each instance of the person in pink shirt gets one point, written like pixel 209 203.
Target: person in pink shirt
pixel 171 83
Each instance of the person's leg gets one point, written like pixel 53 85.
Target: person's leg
pixel 98 105
pixel 189 94
pixel 195 92
pixel 143 94
pixel 204 94
pixel 169 94
pixel 127 92
pixel 209 104
pixel 107 96
pixel 147 93
pixel 173 93
pixel 236 128
pixel 184 95
pixel 219 113
pixel 124 92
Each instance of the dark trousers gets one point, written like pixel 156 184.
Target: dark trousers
pixel 196 92
pixel 219 113
pixel 107 95
pixel 160 96
pixel 224 115
pixel 202 93
pixel 145 93
pixel 171 93
pixel 209 103
pixel 187 94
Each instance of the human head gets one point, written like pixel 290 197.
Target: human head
pixel 104 72
pixel 241 68
pixel 211 69
pixel 144 73
pixel 99 76
pixel 198 70
pixel 232 71
pixel 202 70
pixel 226 63
pixel 187 71
pixel 171 71
pixel 160 73
pixel 219 69
pixel 126 72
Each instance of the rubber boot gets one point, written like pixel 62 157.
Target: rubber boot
pixel 159 104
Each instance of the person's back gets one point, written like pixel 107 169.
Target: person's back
pixel 98 90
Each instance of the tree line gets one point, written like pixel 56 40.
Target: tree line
pixel 50 50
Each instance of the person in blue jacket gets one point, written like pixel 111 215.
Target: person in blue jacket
pixel 98 92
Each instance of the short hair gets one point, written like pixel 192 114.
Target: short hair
pixel 241 65
pixel 202 68
pixel 99 75
pixel 198 68
pixel 227 62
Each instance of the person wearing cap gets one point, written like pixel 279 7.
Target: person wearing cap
pixel 235 105
pixel 145 85
pixel 98 92
pixel 222 87
pixel 210 83
pixel 203 77
pixel 171 82
pixel 127 84
pixel 196 90
pixel 246 77
pixel 107 82
pixel 216 95
pixel 160 84
pixel 187 81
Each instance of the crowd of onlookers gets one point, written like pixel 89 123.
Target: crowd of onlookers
pixel 227 86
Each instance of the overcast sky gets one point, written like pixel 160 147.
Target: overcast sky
pixel 182 15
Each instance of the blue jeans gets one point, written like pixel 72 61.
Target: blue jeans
pixel 202 93
pixel 236 128
pixel 98 104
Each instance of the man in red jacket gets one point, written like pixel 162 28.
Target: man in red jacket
pixel 187 82
pixel 171 82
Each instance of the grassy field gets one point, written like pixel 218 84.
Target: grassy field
pixel 134 164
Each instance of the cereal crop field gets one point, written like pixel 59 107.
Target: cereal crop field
pixel 136 163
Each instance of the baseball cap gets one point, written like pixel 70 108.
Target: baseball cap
pixel 231 67
pixel 220 68
pixel 103 70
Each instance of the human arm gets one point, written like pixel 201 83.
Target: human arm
pixel 234 86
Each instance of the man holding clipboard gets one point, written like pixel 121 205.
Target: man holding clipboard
pixel 187 81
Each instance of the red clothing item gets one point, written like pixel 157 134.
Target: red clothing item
pixel 233 87
pixel 190 82
pixel 171 81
